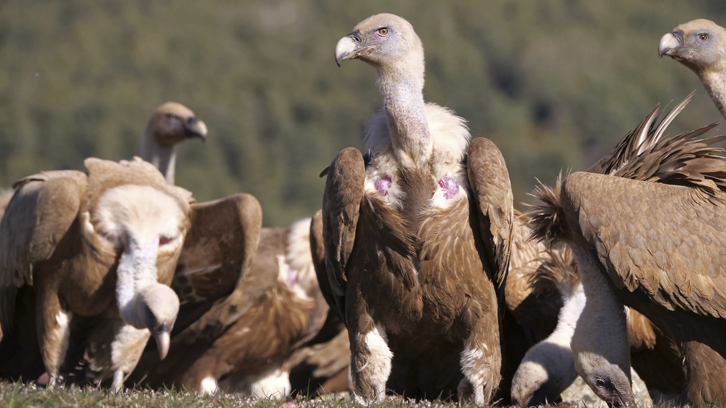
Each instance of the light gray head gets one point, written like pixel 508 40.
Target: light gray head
pixel 697 44
pixel 386 41
pixel 158 307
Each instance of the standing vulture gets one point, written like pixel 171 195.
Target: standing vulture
pixel 241 342
pixel 650 238
pixel 701 46
pixel 94 267
pixel 170 124
pixel 416 238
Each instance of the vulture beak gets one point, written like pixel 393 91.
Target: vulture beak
pixel 669 42
pixel 347 47
pixel 196 128
pixel 162 337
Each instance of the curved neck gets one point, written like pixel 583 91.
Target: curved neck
pixel 162 157
pixel 405 109
pixel 567 320
pixel 136 269
pixel 715 83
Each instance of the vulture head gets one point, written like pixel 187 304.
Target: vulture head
pixel 386 41
pixel 147 227
pixel 172 123
pixel 697 44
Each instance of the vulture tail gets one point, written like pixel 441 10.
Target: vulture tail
pixel 547 219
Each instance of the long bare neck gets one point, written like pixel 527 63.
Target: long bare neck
pixel 163 158
pixel 715 83
pixel 403 102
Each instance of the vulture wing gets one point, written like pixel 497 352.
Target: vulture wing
pixel 36 219
pixel 344 189
pixel 489 182
pixel 218 251
pixel 673 252
pixel 317 246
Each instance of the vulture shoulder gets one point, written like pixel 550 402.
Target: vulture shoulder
pixel 40 213
pixel 672 252
pixel 492 193
pixel 344 189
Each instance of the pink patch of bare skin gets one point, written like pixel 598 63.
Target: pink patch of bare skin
pixel 450 187
pixel 382 185
pixel 291 277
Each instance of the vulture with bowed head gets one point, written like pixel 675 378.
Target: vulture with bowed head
pixel 243 341
pixel 645 225
pixel 94 267
pixel 417 238
pixel 701 46
pixel 170 124
pixel 76 245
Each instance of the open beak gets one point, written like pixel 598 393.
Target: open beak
pixel 162 338
pixel 669 42
pixel 196 128
pixel 347 48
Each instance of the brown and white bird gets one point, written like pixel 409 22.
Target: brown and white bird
pixel 170 124
pixel 241 342
pixel 417 238
pixel 73 246
pixel 648 238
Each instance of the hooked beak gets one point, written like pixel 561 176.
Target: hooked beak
pixel 196 128
pixel 669 42
pixel 347 48
pixel 162 338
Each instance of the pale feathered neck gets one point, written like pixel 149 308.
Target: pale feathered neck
pixel 162 157
pixel 715 83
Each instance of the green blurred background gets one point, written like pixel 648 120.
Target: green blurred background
pixel 554 83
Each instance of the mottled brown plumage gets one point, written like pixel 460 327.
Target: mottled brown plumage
pixel 418 240
pixel 242 342
pixel 653 245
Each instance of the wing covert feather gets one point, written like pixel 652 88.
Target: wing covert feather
pixel 664 240
pixel 344 190
pixel 489 182
pixel 218 248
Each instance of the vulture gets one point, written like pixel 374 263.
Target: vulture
pixel 90 257
pixel 416 237
pixel 170 124
pixel 242 342
pixel 700 45
pixel 646 225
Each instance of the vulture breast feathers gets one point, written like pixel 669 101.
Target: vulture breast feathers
pixel 647 232
pixel 417 239
pixel 74 246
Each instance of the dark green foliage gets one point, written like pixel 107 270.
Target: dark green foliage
pixel 554 83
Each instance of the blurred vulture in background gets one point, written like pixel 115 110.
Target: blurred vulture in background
pixel 646 225
pixel 170 124
pixel 241 342
pixel 417 237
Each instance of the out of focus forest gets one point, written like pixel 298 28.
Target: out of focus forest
pixel 554 83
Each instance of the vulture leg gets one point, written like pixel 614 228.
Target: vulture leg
pixel 53 330
pixel 370 356
pixel 600 342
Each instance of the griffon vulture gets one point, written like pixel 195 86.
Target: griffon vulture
pixel 416 239
pixel 241 343
pixel 170 124
pixel 700 45
pixel 649 238
pixel 74 245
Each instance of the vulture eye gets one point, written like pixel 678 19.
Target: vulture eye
pixel 163 240
pixel 171 117
pixel 383 31
pixel 703 37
